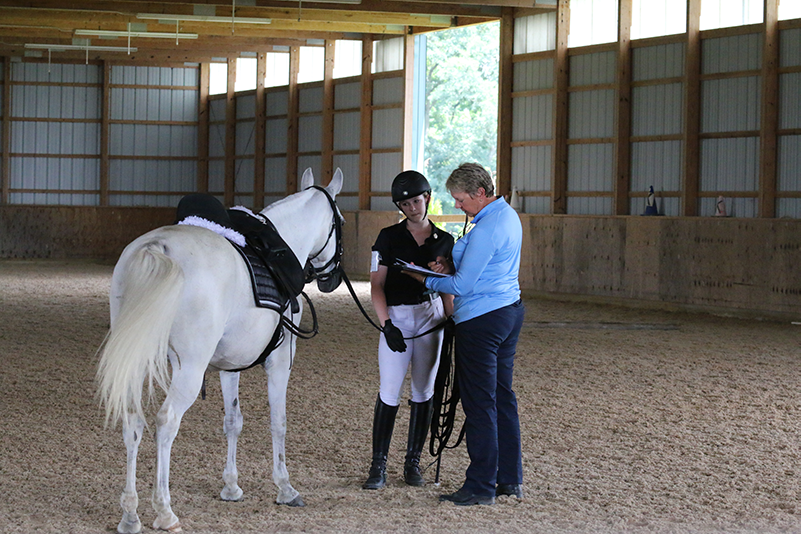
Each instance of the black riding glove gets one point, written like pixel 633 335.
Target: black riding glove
pixel 394 337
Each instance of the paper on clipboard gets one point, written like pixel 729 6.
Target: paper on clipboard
pixel 406 266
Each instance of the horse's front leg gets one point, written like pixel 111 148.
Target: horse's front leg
pixel 132 428
pixel 232 426
pixel 278 368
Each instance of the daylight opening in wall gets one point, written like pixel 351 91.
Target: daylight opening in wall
pixel 461 99
pixel 727 13
pixel 387 55
pixel 218 78
pixel 789 9
pixel 654 18
pixel 277 69
pixel 592 22
pixel 245 74
pixel 311 65
pixel 347 59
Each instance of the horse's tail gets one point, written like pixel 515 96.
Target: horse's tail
pixel 135 348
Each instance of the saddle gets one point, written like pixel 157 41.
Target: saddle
pixel 276 275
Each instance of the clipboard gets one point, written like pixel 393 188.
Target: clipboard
pixel 406 266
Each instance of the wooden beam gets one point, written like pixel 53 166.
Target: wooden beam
pixel 292 122
pixel 692 111
pixel 203 129
pixel 5 168
pixel 366 126
pixel 622 183
pixel 259 138
pixel 230 135
pixel 505 77
pixel 408 101
pixel 104 133
pixel 560 112
pixel 768 134
pixel 328 113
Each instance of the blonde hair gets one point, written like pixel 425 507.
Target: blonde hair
pixel 468 178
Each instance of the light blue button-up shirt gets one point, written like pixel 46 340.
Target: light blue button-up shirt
pixel 487 262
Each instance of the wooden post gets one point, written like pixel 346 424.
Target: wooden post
pixel 259 138
pixel 366 127
pixel 203 129
pixel 6 147
pixel 292 123
pixel 328 113
pixel 230 135
pixel 768 134
pixel 622 184
pixel 561 82
pixel 692 111
pixel 505 77
pixel 105 112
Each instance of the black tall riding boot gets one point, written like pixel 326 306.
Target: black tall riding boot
pixel 383 423
pixel 419 421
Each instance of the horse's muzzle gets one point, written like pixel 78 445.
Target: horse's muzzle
pixel 329 281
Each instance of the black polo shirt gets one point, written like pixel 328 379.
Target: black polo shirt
pixel 396 242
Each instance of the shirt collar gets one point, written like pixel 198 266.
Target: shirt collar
pixel 496 205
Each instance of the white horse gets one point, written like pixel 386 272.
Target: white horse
pixel 182 294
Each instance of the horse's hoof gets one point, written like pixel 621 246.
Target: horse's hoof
pixel 296 502
pixel 129 527
pixel 231 495
pixel 175 526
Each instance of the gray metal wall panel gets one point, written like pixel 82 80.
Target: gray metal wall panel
pixel 656 62
pixel 55 138
pixel 216 175
pixel 347 95
pixel 56 72
pixel 533 75
pixel 591 69
pixel 535 33
pixel 310 134
pixel 243 178
pixel 387 91
pixel 350 203
pixel 789 167
pixel 532 118
pixel 385 167
pixel 275 175
pixel 531 168
pixel 731 54
pixel 277 103
pixel 658 164
pixel 246 106
pixel 536 205
pixel 790 47
pixel 347 128
pixel 217 110
pixel 275 141
pixel 216 140
pixel 790 100
pixel 789 207
pixel 245 137
pixel 152 175
pixel 349 163
pixel 153 140
pixel 310 99
pixel 592 114
pixel 590 167
pixel 729 164
pixel 730 104
pixel 388 128
pixel 589 206
pixel 657 109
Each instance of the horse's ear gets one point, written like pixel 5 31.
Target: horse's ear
pixel 307 180
pixel 335 186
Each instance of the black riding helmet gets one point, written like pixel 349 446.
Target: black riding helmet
pixel 409 184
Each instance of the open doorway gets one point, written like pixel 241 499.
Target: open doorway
pixel 460 116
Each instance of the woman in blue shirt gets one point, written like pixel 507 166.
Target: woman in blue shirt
pixel 488 314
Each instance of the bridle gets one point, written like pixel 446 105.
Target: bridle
pixel 328 273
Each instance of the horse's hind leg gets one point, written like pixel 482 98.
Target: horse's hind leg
pixel 132 428
pixel 185 386
pixel 232 426
pixel 278 377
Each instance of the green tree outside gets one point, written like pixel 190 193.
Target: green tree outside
pixel 461 104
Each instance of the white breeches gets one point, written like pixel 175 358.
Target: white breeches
pixel 421 352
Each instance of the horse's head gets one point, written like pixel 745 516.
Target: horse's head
pixel 326 265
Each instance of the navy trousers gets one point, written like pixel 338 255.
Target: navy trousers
pixel 485 353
